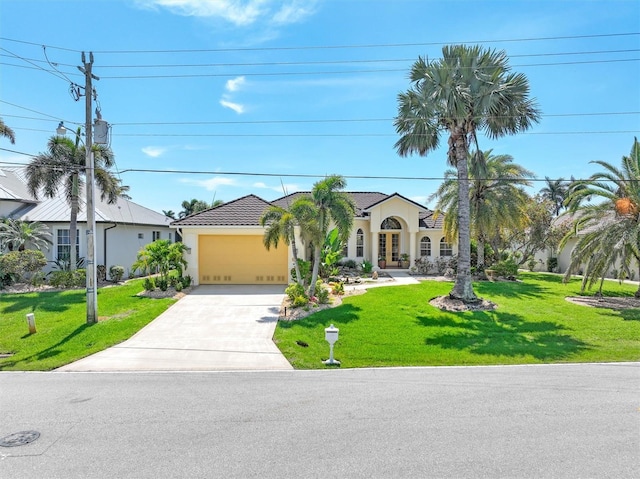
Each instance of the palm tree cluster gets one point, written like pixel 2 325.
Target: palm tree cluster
pixel 468 91
pixel 16 234
pixel 607 231
pixel 313 214
pixel 494 181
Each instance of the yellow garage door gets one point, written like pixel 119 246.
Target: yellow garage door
pixel 241 259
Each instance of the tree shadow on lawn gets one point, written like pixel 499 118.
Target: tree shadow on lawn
pixel 49 352
pixel 501 334
pixel 509 289
pixel 47 301
pixel 343 314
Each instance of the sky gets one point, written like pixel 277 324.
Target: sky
pixel 218 99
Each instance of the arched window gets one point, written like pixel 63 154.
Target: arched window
pixel 359 243
pixel 446 249
pixel 425 246
pixel 390 224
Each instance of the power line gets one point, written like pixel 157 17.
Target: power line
pixel 335 47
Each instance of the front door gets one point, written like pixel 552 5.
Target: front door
pixel 389 247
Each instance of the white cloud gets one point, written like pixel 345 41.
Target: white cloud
pixel 153 151
pixel 239 12
pixel 211 184
pixel 235 84
pixel 237 107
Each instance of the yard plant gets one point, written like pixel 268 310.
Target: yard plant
pixel 534 323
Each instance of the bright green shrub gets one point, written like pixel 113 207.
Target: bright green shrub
pixel 295 290
pixel 149 284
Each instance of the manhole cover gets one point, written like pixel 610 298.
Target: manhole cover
pixel 19 438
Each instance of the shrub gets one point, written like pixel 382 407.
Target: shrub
pixel 552 264
pixel 162 283
pixel 116 273
pixel 68 279
pixel 367 266
pixel 349 263
pixel 186 281
pixel 173 277
pixel 178 286
pixel 507 268
pixel 305 271
pixel 337 288
pixel 101 272
pixel 300 301
pixel 295 290
pixel 149 284
pixel 17 266
pixel 322 293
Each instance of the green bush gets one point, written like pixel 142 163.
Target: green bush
pixel 149 284
pixel 552 264
pixel 162 283
pixel 305 271
pixel 322 293
pixel 116 273
pixel 17 266
pixel 173 277
pixel 295 290
pixel 101 272
pixel 178 286
pixel 349 263
pixel 186 281
pixel 68 279
pixel 367 266
pixel 507 268
pixel 300 301
pixel 337 288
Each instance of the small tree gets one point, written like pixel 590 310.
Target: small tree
pixel 161 256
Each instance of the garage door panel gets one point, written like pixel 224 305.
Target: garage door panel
pixel 241 259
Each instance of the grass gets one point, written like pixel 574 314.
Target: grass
pixel 63 335
pixel 396 326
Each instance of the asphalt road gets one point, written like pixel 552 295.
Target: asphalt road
pixel 573 421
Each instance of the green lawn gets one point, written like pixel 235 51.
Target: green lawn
pixel 396 326
pixel 62 334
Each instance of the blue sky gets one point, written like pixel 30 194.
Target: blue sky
pixel 307 87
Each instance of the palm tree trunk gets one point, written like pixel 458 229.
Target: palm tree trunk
pixel 73 224
pixel 480 253
pixel 463 287
pixel 637 293
pixel 316 268
pixel 294 250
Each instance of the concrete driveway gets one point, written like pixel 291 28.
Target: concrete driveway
pixel 214 328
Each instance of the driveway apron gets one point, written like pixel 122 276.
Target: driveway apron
pixel 214 328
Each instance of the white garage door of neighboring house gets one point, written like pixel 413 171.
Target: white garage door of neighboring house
pixel 240 259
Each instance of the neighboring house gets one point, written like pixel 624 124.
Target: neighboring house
pixel 122 229
pixel 225 243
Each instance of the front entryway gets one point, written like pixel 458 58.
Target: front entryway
pixel 389 247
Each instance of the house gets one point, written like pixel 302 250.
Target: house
pixel 225 243
pixel 122 229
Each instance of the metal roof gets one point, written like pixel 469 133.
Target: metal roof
pixel 52 210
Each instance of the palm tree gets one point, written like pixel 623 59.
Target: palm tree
pixel 281 226
pixel 170 213
pixel 608 231
pixel 555 191
pixel 7 132
pixel 495 181
pixel 326 204
pixel 15 234
pixel 63 165
pixel 469 90
pixel 193 206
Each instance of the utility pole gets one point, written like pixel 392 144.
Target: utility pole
pixel 92 292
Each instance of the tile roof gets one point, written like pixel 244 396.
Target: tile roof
pixel 245 211
pixel 51 210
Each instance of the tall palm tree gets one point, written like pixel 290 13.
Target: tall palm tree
pixel 495 182
pixel 63 166
pixel 7 132
pixel 326 205
pixel 15 234
pixel 555 191
pixel 281 224
pixel 469 90
pixel 608 231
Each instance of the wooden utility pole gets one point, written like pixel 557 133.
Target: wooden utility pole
pixel 92 292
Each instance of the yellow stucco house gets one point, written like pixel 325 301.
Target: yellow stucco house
pixel 224 244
